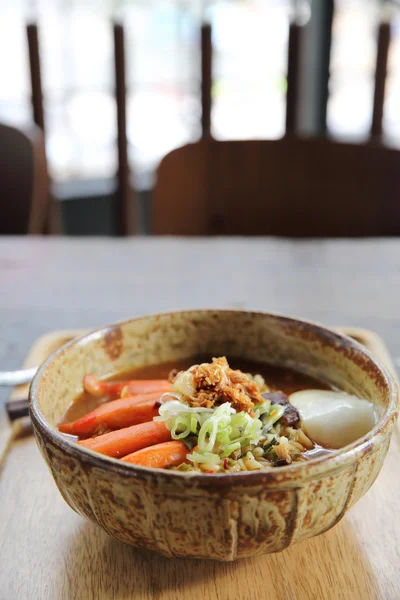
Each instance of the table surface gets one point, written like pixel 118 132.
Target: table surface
pixel 48 284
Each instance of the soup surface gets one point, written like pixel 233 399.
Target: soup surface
pixel 199 415
pixel 277 378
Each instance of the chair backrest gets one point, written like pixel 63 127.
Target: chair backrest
pixel 125 205
pixel 53 218
pixel 294 75
pixel 381 62
pixel 292 187
pixel 23 181
pixel 206 79
pixel 125 201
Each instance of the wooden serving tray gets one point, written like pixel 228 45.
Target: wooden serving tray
pixel 52 553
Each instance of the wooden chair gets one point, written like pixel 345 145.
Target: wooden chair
pixel 53 217
pixel 125 201
pixel 291 187
pixel 294 78
pixel 125 207
pixel 23 181
pixel 382 54
pixel 172 212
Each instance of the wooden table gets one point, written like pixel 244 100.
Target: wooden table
pixel 48 552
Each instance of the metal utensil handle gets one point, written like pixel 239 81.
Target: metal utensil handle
pixel 12 378
pixel 17 409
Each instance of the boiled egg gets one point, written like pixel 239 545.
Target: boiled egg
pixel 333 419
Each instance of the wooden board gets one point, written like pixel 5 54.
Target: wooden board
pixel 39 352
pixel 54 554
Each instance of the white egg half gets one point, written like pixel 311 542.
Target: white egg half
pixel 333 419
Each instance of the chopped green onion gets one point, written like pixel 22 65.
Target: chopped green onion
pixel 273 416
pixel 220 431
pixel 230 448
pixel 203 457
pixel 181 428
pixel 193 424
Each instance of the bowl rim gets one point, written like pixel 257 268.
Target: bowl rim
pixel 332 462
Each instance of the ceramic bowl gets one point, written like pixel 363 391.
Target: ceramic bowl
pixel 220 516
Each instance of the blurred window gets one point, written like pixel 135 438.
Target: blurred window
pixel 353 55
pixel 163 69
pixel 162 47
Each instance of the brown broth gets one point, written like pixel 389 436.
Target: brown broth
pixel 277 378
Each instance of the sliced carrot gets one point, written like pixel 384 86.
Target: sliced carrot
pixel 124 441
pixel 112 389
pixel 160 456
pixel 130 410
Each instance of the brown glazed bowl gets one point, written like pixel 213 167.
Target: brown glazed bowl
pixel 220 516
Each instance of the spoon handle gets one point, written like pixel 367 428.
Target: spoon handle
pixel 12 378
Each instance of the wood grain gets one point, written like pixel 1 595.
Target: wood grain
pixel 296 33
pixel 206 79
pixel 40 350
pixel 53 224
pixel 289 187
pixel 49 552
pixel 125 200
pixel 62 283
pixel 35 73
pixel 23 181
pixel 382 55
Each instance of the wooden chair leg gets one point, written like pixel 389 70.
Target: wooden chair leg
pixel 206 80
pixel 293 78
pixel 380 79
pixel 125 208
pixel 36 79
pixel 52 224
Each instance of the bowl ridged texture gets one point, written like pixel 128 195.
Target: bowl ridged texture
pixel 222 517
